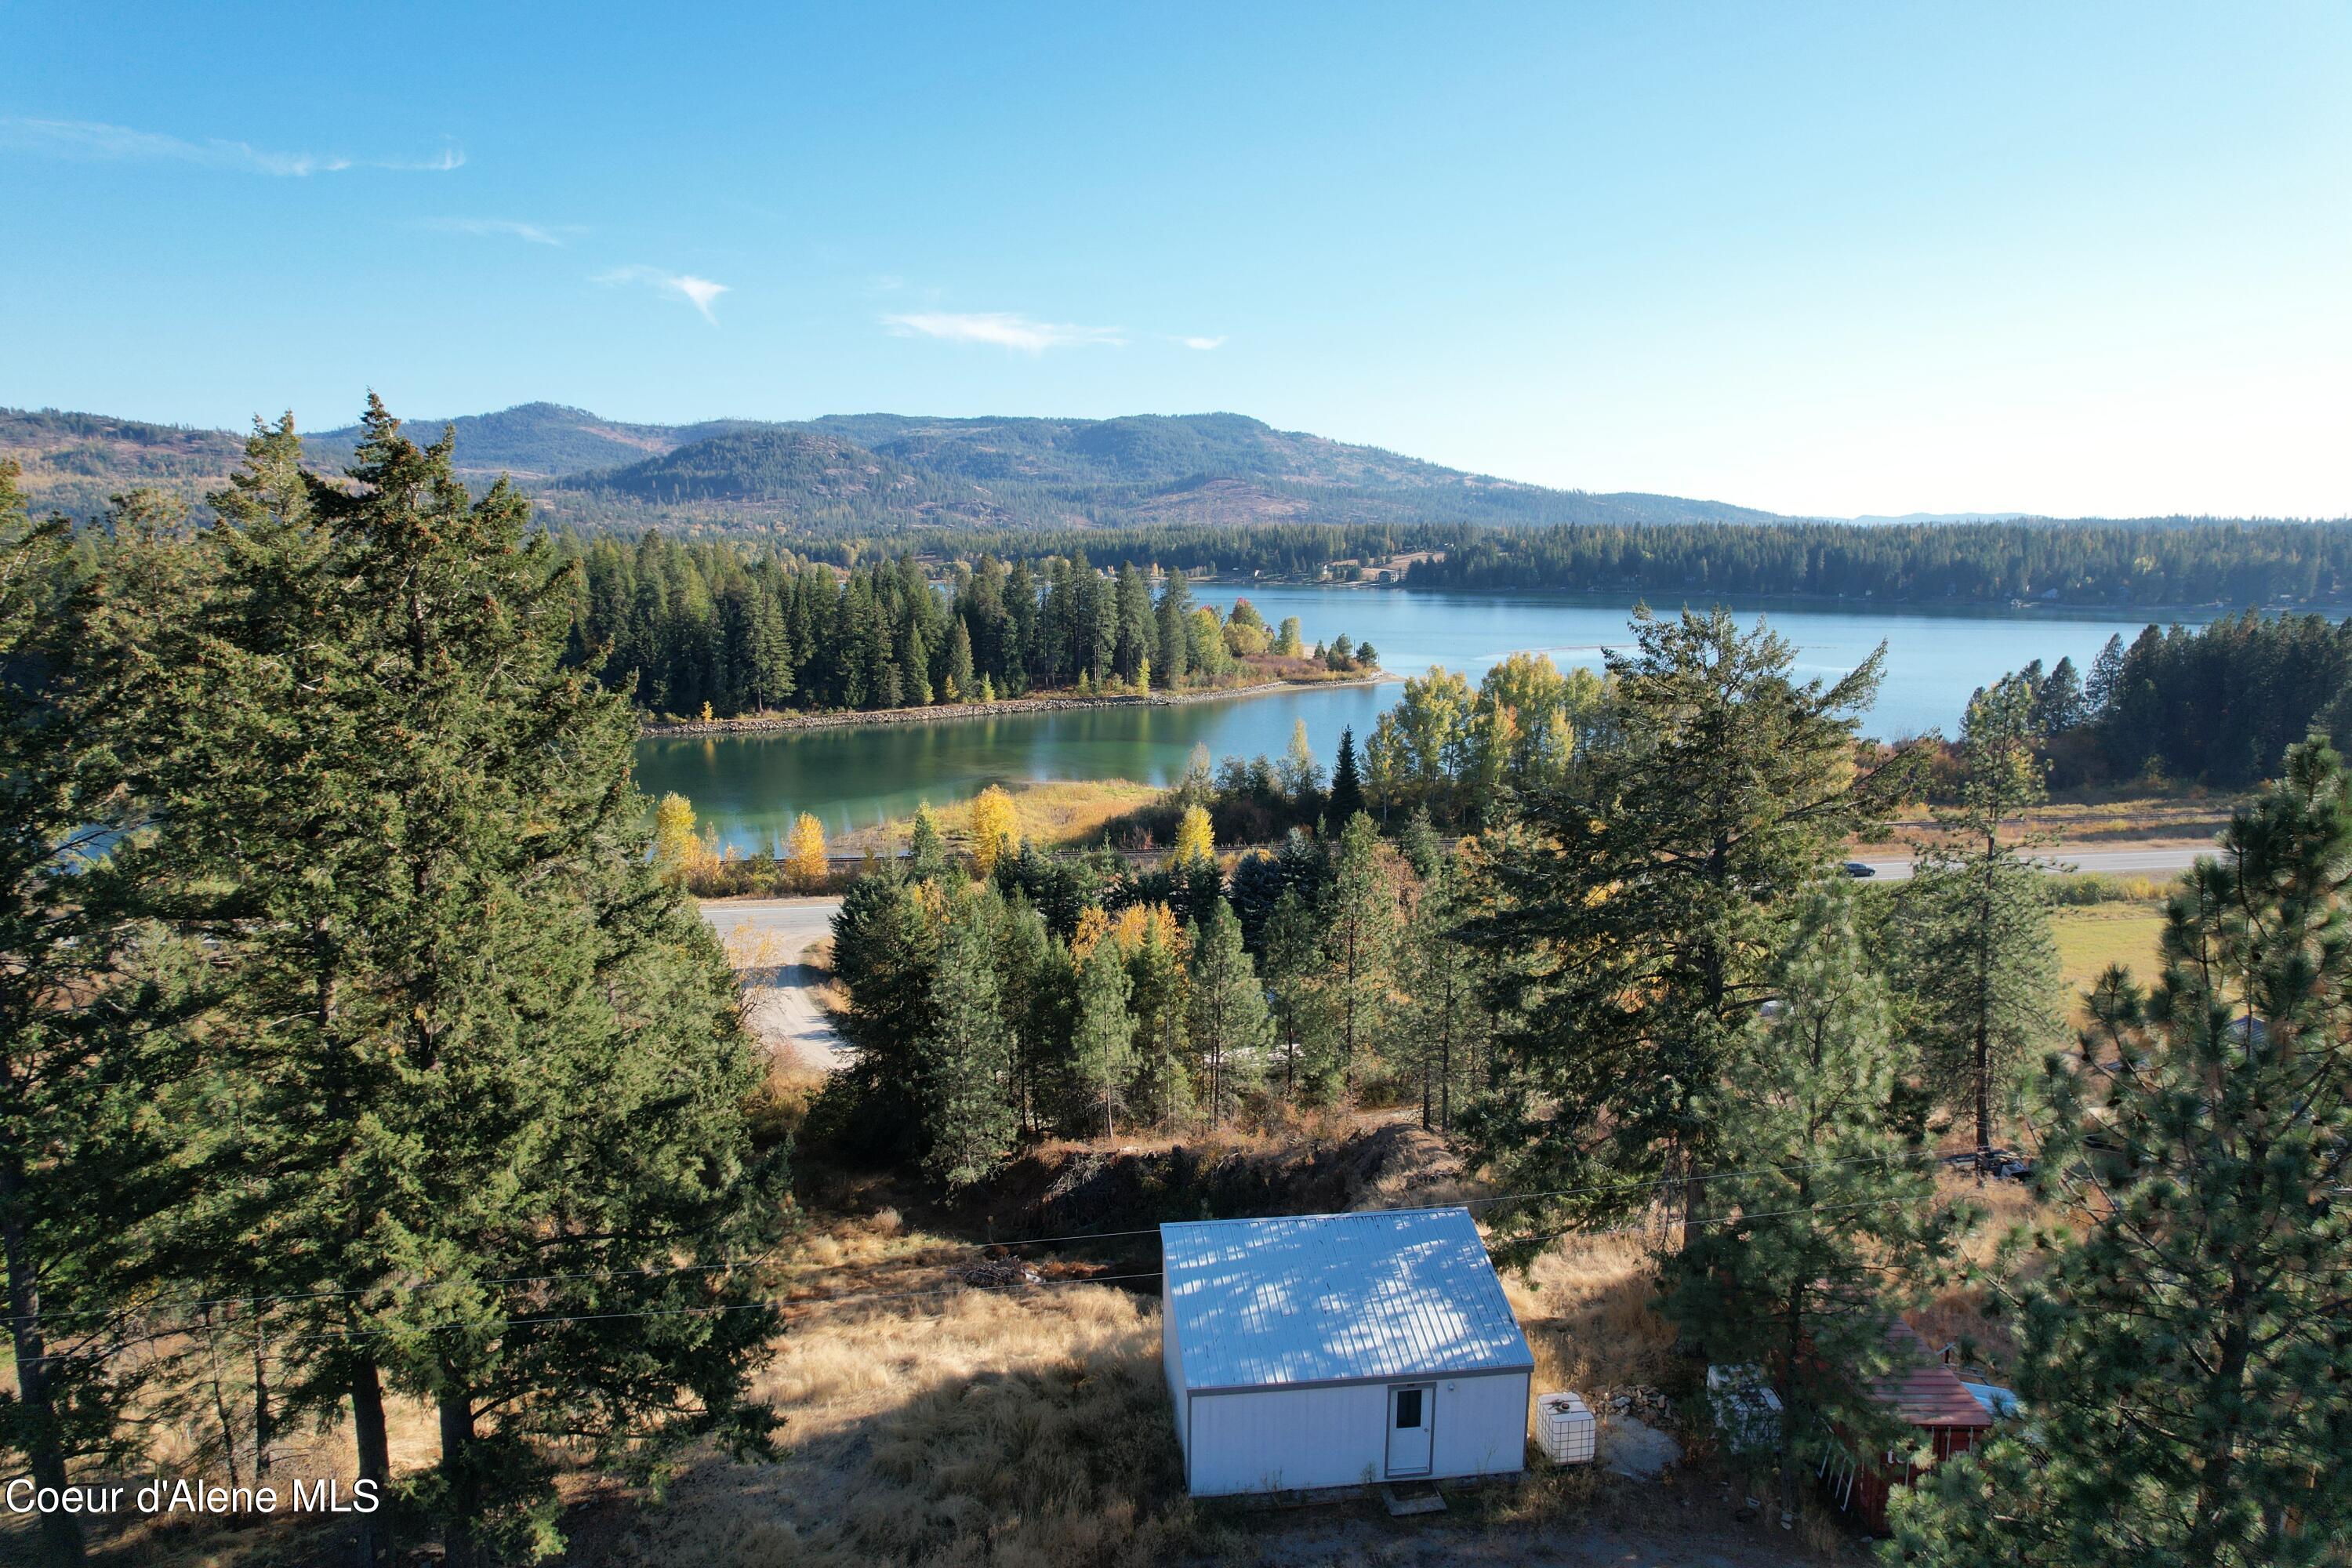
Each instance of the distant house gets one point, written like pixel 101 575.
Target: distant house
pixel 1333 1350
pixel 1944 1418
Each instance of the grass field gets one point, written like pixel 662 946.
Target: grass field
pixel 1051 812
pixel 2093 936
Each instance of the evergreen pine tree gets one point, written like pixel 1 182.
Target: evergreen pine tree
pixel 1227 1019
pixel 2101 688
pixel 1645 909
pixel 1835 1228
pixel 1160 1090
pixel 1137 633
pixel 884 952
pixel 1173 612
pixel 1346 788
pixel 1360 919
pixel 85 1159
pixel 1981 961
pixel 961 686
pixel 2183 1360
pixel 1302 1008
pixel 1441 1009
pixel 927 846
pixel 484 1043
pixel 1102 1042
pixel 1033 993
pixel 965 1057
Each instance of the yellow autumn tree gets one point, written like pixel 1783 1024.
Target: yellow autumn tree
pixel 1093 926
pixel 806 861
pixel 1127 930
pixel 1195 840
pixel 995 829
pixel 675 845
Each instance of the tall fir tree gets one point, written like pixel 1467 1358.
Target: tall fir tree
pixel 1138 633
pixel 1647 905
pixel 1295 971
pixel 87 1142
pixel 884 952
pixel 1360 917
pixel 1033 993
pixel 965 1057
pixel 1161 1087
pixel 927 846
pixel 444 964
pixel 1227 1018
pixel 1831 1225
pixel 1347 786
pixel 1982 963
pixel 2183 1356
pixel 1102 1038
pixel 1171 615
pixel 1439 981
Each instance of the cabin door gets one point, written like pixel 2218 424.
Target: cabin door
pixel 1413 1410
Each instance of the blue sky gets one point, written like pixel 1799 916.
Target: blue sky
pixel 1836 260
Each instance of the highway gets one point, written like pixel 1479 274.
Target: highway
pixel 768 939
pixel 2152 861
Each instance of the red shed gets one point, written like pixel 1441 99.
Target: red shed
pixel 1931 1399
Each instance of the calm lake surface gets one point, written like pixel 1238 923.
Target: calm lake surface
pixel 751 787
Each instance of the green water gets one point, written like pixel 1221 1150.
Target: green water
pixel 751 786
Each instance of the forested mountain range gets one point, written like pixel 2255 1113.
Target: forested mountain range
pixel 867 472
pixel 1222 493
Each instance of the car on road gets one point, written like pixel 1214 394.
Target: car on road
pixel 1860 869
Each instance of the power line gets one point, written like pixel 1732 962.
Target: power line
pixel 352 1330
pixel 410 1286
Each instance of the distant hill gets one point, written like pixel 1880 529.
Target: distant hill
pixel 873 472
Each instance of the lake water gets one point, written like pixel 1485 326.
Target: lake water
pixel 751 787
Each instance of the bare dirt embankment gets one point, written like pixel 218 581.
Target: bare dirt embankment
pixel 1067 1189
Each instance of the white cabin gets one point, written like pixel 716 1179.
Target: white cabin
pixel 1340 1349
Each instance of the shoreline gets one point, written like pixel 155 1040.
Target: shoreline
pixel 949 711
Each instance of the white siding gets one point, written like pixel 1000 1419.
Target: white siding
pixel 1298 1439
pixel 1170 1362
pixel 1482 1426
pixel 1292 1439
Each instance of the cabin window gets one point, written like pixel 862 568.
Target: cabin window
pixel 1408 1408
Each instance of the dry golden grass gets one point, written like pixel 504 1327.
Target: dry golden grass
pixel 2108 817
pixel 1586 1308
pixel 1957 1313
pixel 1027 1427
pixel 1050 812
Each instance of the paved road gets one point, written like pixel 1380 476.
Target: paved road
pixel 767 939
pixel 2110 862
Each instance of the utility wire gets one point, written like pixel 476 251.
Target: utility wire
pixel 409 1287
pixel 787 1302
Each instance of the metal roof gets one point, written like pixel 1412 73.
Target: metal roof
pixel 1336 1298
pixel 1922 1389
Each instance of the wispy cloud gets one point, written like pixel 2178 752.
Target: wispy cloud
pixel 697 292
pixel 1003 328
pixel 534 233
pixel 93 139
pixel 1203 343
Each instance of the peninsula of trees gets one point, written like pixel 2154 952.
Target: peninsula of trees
pixel 716 630
pixel 1224 493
